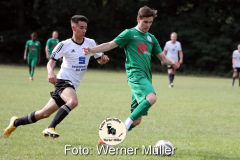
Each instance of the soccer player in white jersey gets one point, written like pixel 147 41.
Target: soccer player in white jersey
pixel 173 50
pixel 236 64
pixel 64 98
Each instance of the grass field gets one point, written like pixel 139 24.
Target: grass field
pixel 200 116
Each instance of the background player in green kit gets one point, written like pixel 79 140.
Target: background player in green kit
pixel 51 43
pixel 32 53
pixel 139 45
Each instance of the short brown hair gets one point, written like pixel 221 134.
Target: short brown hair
pixel 76 18
pixel 145 11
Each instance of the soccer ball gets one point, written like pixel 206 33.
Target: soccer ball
pixel 163 147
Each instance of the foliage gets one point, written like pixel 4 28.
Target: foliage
pixel 208 30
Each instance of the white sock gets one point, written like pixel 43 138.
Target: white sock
pixel 128 123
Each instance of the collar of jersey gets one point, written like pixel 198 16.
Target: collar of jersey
pixel 139 30
pixel 78 43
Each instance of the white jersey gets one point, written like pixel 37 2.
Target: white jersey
pixel 236 55
pixel 172 49
pixel 74 63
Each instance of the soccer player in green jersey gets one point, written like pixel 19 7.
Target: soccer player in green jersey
pixel 139 45
pixel 51 43
pixel 32 53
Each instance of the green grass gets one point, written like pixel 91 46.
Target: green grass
pixel 200 116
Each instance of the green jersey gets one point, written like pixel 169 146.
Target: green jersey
pixel 138 47
pixel 51 43
pixel 33 48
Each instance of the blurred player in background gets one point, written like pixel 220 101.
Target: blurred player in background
pixel 64 98
pixel 173 50
pixel 236 64
pixel 51 43
pixel 139 45
pixel 32 53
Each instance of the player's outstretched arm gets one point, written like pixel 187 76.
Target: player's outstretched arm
pixel 103 60
pixel 100 48
pixel 165 60
pixel 51 76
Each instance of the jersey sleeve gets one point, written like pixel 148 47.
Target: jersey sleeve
pixel 156 47
pixel 234 55
pixel 58 51
pixel 27 45
pixel 39 45
pixel 123 38
pixel 180 46
pixel 48 42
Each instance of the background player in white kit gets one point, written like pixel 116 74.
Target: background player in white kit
pixel 173 50
pixel 74 65
pixel 236 64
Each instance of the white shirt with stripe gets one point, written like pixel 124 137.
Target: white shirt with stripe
pixel 74 63
pixel 173 49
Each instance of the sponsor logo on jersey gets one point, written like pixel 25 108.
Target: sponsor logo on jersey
pixel 73 51
pixel 149 38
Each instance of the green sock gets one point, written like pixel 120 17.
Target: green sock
pixel 31 72
pixel 140 110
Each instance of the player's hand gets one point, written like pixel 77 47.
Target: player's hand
pixel 104 59
pixel 175 65
pixel 25 58
pixel 47 56
pixel 86 50
pixel 52 78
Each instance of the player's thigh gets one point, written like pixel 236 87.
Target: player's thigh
pixel 141 88
pixel 29 61
pixel 34 62
pixel 69 95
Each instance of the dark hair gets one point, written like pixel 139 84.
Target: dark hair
pixel 145 11
pixel 76 18
pixel 34 34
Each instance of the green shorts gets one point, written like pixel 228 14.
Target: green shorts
pixel 140 88
pixel 32 61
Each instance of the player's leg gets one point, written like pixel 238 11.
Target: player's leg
pixel 33 117
pixel 133 106
pixel 234 76
pixel 70 97
pixel 29 61
pixel 145 95
pixel 33 65
pixel 171 74
pixel 238 69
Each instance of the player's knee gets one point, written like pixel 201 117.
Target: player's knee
pixel 72 103
pixel 152 98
